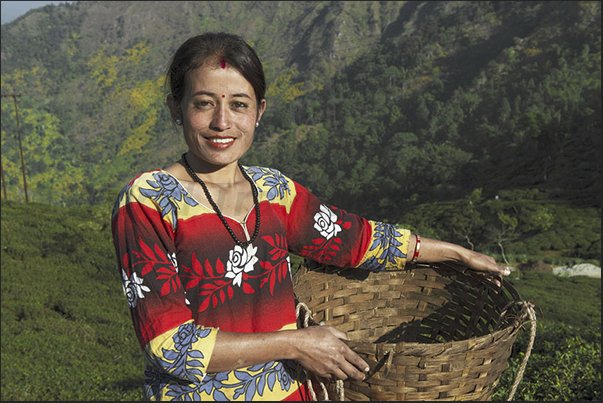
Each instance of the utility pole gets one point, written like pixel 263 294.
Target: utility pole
pixel 3 180
pixel 15 96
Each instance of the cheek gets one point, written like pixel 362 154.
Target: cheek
pixel 248 121
pixel 195 120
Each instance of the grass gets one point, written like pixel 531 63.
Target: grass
pixel 66 329
pixel 67 332
pixel 574 301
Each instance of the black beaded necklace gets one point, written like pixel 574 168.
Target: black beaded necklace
pixel 217 209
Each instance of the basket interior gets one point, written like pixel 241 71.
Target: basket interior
pixel 421 304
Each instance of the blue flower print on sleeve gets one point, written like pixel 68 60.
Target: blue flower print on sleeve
pixel 181 362
pixel 167 192
pixel 252 381
pixel 372 264
pixel 387 247
pixel 269 374
pixel 273 179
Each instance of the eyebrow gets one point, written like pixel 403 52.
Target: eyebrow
pixel 211 94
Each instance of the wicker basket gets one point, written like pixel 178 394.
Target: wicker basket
pixel 429 332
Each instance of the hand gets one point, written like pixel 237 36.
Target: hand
pixel 480 262
pixel 485 264
pixel 434 251
pixel 320 349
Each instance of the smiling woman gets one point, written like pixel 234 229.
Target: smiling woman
pixel 204 247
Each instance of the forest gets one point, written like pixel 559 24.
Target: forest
pixel 475 122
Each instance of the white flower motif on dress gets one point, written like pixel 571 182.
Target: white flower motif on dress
pixel 172 257
pixel 174 260
pixel 325 222
pixel 133 288
pixel 240 261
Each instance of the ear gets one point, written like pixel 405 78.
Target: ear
pixel 261 110
pixel 174 108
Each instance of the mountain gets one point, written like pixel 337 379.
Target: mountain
pixel 382 108
pixel 80 66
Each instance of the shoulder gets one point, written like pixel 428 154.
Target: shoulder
pixel 271 182
pixel 154 188
pixel 153 179
pixel 258 173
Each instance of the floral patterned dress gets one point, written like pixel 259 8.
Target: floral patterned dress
pixel 185 279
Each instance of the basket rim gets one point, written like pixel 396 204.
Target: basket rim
pixel 509 329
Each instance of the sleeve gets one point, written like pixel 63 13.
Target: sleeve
pixel 329 235
pixel 142 223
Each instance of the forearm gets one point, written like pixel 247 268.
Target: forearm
pixel 239 350
pixel 319 349
pixel 433 251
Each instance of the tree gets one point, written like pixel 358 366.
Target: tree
pixel 504 232
pixel 464 219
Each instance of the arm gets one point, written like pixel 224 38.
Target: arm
pixel 433 251
pixel 318 349
pixel 142 228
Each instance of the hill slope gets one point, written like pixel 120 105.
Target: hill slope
pixel 382 108
pixel 67 332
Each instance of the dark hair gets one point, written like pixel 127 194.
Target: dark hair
pixel 215 47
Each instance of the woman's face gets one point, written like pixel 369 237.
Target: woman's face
pixel 219 111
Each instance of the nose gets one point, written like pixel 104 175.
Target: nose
pixel 221 119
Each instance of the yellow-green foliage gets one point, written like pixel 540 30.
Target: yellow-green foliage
pixel 111 72
pixel 103 68
pixel 142 104
pixel 43 144
pixel 138 101
pixel 49 178
pixel 282 89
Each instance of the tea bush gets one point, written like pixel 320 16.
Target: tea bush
pixel 67 332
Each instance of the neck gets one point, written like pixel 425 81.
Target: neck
pixel 214 174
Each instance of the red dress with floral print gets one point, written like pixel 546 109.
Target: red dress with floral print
pixel 185 279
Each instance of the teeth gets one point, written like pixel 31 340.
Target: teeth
pixel 223 141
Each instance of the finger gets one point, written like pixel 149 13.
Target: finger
pixel 355 367
pixel 494 269
pixel 490 265
pixel 347 370
pixel 353 358
pixel 504 271
pixel 337 332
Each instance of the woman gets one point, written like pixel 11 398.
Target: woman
pixel 203 247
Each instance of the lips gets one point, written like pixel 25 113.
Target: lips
pixel 220 142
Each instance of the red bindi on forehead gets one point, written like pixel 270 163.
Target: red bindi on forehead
pixel 223 63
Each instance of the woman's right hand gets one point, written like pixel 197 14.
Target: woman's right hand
pixel 320 349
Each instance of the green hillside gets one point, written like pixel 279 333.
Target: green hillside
pixel 67 333
pixel 399 111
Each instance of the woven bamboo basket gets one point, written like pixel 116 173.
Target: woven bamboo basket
pixel 429 332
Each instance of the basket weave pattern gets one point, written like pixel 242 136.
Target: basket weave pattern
pixel 429 332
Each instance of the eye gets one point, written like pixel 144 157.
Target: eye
pixel 200 104
pixel 239 105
